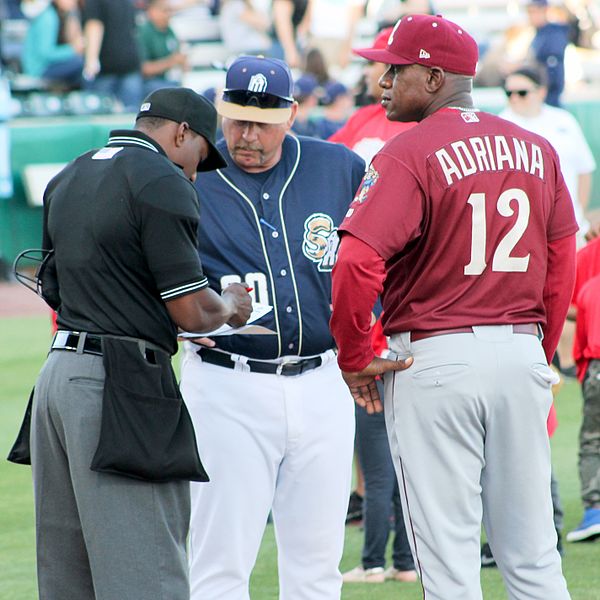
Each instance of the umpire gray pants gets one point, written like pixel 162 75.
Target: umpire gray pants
pixel 467 430
pixel 98 536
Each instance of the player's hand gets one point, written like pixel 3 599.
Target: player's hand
pixel 236 295
pixel 203 341
pixel 362 383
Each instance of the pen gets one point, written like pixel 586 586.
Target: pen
pixel 263 222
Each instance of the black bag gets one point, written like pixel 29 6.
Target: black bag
pixel 146 430
pixel 20 452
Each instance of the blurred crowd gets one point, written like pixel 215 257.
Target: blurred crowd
pixel 105 56
pixel 123 50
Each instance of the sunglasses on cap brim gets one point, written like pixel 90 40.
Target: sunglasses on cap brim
pixel 259 100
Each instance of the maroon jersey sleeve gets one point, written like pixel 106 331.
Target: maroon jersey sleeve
pixel 560 276
pixel 358 267
pixel 387 211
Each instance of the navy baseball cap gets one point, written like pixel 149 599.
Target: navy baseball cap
pixel 257 89
pixel 333 90
pixel 305 86
pixel 427 40
pixel 210 94
pixel 183 104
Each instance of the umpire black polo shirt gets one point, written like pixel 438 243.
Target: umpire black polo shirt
pixel 123 223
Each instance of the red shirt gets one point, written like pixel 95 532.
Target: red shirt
pixel 462 208
pixel 585 344
pixel 588 265
pixel 587 333
pixel 367 130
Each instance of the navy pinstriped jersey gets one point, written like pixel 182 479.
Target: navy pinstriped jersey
pixel 277 232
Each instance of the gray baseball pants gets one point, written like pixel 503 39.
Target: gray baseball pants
pixel 98 536
pixel 467 430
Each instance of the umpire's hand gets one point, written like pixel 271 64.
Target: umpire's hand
pixel 362 383
pixel 236 295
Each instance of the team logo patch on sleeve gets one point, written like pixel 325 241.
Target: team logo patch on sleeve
pixel 321 241
pixel 370 179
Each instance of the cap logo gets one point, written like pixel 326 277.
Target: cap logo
pixel 258 84
pixel 391 38
pixel 144 107
pixel 424 54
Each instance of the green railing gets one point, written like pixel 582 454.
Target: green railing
pixel 45 140
pixel 61 139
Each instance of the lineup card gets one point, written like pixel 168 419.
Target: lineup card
pixel 258 311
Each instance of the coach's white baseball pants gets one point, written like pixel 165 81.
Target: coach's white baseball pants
pixel 467 429
pixel 276 443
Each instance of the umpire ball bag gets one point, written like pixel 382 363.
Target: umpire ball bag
pixel 146 431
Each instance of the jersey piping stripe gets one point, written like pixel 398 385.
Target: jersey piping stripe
pixel 264 249
pixel 287 246
pixel 184 289
pixel 131 141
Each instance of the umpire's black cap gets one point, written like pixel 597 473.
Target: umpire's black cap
pixel 183 104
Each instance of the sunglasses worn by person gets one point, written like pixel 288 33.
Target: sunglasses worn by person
pixel 520 93
pixel 260 100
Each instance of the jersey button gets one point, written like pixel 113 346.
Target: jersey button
pixel 289 309
pixel 283 272
pixel 291 346
pixel 275 234
pixel 266 196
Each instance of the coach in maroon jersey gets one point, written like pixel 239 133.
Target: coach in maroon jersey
pixel 465 227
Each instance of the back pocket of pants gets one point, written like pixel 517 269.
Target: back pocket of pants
pixel 544 375
pixel 87 382
pixel 440 375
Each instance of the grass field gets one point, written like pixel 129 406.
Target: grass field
pixel 23 345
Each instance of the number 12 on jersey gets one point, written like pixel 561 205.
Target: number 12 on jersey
pixel 502 259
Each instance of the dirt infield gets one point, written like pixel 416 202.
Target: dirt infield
pixel 17 301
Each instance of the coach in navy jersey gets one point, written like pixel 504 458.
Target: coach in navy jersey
pixel 274 421
pixel 465 225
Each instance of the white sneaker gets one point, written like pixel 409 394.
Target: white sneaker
pixel 360 575
pixel 394 574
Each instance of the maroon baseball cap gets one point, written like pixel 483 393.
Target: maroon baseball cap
pixel 427 40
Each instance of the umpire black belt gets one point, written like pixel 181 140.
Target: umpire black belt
pixel 91 343
pixel 288 369
pixel 70 340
